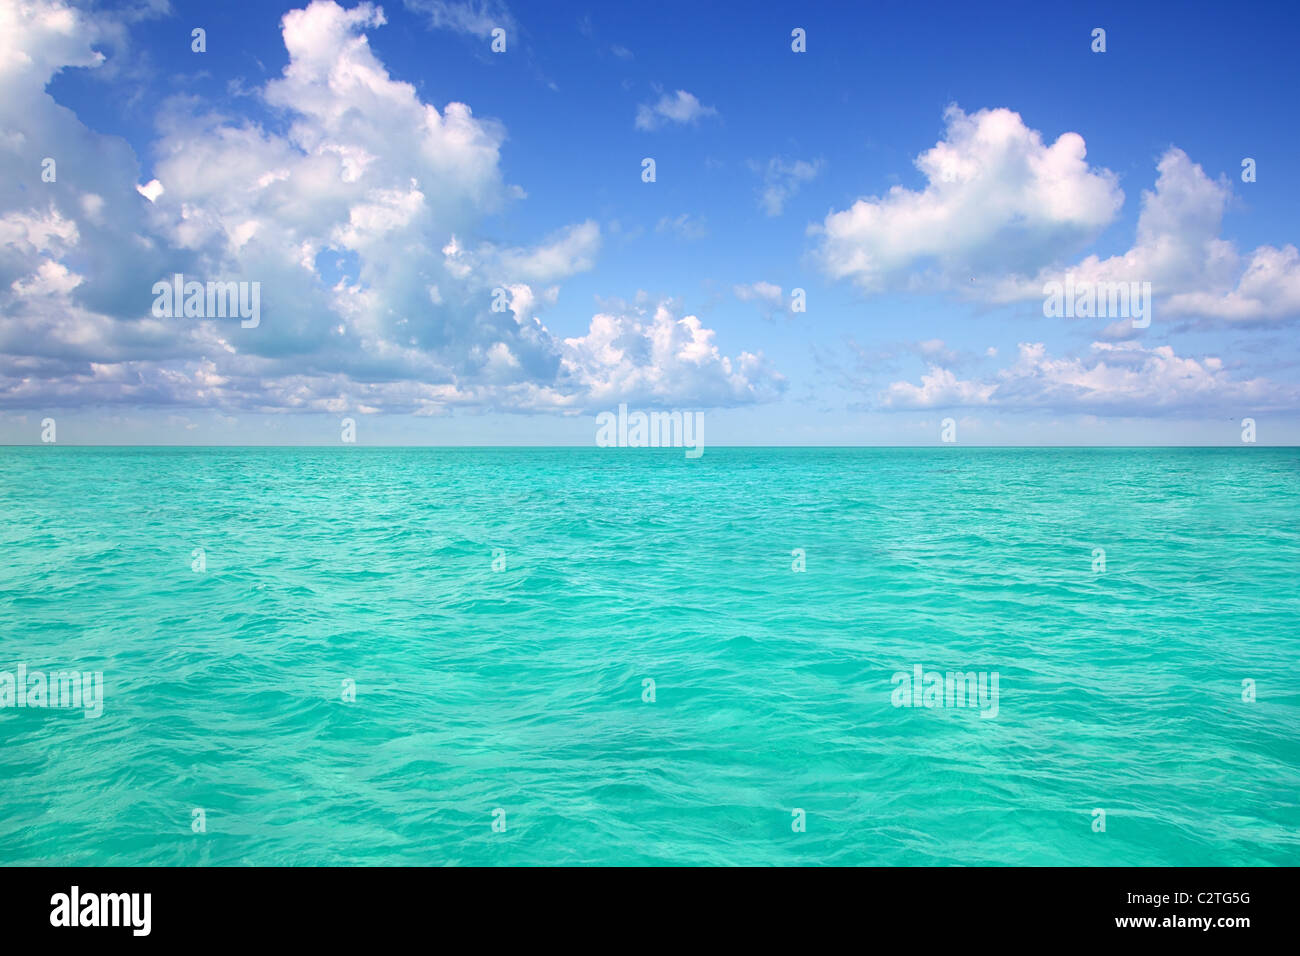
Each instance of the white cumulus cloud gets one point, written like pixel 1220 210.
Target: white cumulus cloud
pixel 998 198
pixel 361 212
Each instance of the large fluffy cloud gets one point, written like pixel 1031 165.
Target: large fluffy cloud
pixel 652 356
pixel 1180 251
pixel 1003 214
pixel 997 197
pixel 361 211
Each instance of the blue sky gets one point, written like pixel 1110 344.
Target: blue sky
pixel 921 173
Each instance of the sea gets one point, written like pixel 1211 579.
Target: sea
pixel 624 656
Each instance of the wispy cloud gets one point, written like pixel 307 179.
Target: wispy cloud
pixel 685 225
pixel 474 17
pixel 768 296
pixel 1117 379
pixel 680 107
pixel 782 179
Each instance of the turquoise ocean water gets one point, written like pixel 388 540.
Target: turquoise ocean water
pixel 522 689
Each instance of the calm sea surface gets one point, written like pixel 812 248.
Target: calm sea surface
pixel 522 689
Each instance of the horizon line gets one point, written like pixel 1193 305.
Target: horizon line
pixel 938 445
